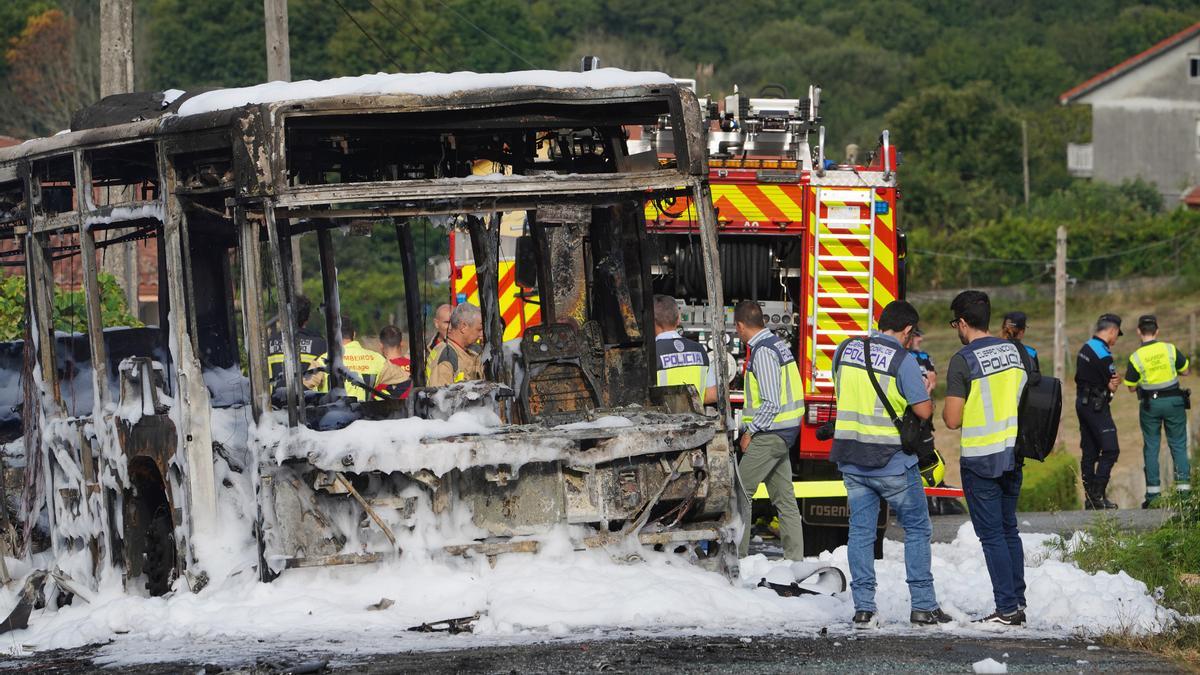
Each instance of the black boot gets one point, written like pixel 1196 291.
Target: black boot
pixel 1090 498
pixel 1101 489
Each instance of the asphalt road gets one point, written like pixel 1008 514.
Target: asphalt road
pixel 945 528
pixel 763 654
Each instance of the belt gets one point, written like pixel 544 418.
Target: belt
pixel 1161 393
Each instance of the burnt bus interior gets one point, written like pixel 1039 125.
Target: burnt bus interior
pixel 584 255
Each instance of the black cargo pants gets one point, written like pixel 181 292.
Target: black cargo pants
pixel 1098 443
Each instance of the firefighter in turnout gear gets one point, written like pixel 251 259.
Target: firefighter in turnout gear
pixel 455 360
pixel 441 323
pixel 984 383
pixel 770 424
pixel 868 452
pixel 679 360
pixel 367 366
pixel 1095 381
pixel 1153 372
pixel 309 343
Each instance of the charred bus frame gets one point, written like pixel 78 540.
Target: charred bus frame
pixel 244 182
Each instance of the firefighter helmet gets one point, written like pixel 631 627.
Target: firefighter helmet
pixel 934 472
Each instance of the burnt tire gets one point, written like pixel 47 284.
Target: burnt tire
pixel 159 557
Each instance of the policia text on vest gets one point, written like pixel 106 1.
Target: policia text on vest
pixel 1153 372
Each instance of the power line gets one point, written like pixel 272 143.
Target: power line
pixel 367 35
pixel 406 36
pixel 1021 261
pixel 446 58
pixel 973 258
pixel 484 32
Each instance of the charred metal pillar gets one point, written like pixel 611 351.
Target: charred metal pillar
pixel 702 198
pixel 250 257
pixel 541 252
pixel 280 253
pixel 412 302
pixel 567 263
pixel 198 502
pixel 485 244
pixel 333 308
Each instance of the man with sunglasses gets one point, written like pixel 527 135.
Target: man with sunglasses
pixel 984 383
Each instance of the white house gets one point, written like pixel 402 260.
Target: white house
pixel 1145 119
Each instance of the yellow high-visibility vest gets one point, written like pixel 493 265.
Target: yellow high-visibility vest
pixel 791 388
pixel 998 377
pixel 681 361
pixel 864 428
pixel 1154 363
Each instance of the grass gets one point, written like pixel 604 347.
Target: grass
pixel 1051 485
pixel 1159 559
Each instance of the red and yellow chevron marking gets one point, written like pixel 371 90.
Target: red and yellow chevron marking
pixel 517 313
pixel 739 204
pixel 886 282
pixel 840 302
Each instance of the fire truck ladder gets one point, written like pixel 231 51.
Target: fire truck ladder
pixel 843 277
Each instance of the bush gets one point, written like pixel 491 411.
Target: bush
pixel 1050 485
pixel 1159 559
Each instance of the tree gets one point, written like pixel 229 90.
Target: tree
pixel 70 307
pixel 962 151
pixel 216 43
pixel 51 72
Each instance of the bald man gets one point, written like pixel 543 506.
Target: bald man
pixel 441 324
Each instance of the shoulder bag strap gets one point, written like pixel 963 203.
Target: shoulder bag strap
pixel 1026 361
pixel 887 405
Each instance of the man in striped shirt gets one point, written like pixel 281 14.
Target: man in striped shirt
pixel 770 424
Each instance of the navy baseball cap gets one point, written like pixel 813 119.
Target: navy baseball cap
pixel 1017 319
pixel 1113 319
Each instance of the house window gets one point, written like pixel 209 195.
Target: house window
pixel 1194 68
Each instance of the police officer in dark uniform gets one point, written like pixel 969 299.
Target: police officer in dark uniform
pixel 1095 381
pixel 1013 328
pixel 924 360
pixel 937 505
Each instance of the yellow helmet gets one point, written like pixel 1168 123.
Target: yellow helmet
pixel 933 473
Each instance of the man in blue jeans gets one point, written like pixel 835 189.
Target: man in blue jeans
pixel 867 448
pixel 984 382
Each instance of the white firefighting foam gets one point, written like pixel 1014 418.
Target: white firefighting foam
pixel 420 84
pixel 555 593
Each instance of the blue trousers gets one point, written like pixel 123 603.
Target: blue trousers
pixel 993 506
pixel 905 495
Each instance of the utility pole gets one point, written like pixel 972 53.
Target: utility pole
pixel 1025 159
pixel 116 77
pixel 279 68
pixel 1060 305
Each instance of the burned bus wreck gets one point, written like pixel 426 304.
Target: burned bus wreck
pixel 189 454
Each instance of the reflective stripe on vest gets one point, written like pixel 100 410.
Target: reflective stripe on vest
pixel 1155 366
pixel 791 388
pixel 861 417
pixel 360 361
pixel 990 415
pixel 681 361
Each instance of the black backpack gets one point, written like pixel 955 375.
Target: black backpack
pixel 1039 411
